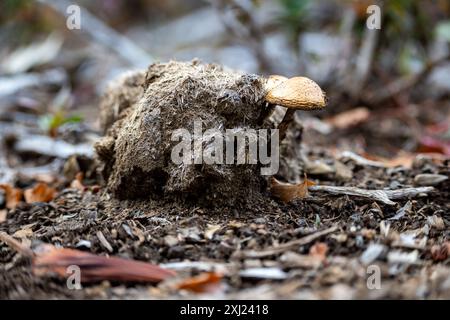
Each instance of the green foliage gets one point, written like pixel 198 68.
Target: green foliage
pixel 50 123
pixel 295 14
pixel 405 18
pixel 9 8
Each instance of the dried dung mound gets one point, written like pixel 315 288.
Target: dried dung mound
pixel 141 111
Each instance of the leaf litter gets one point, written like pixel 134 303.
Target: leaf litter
pixel 280 243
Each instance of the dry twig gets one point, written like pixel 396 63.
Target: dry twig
pixel 16 245
pixel 253 254
pixel 384 196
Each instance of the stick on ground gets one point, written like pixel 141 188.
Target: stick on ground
pixel 16 245
pixel 253 254
pixel 384 196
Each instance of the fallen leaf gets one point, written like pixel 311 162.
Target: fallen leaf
pixel 429 144
pixel 440 252
pixel 41 192
pixel 288 192
pixel 205 282
pixel 349 118
pixel 77 183
pixel 52 260
pixel 319 250
pixel 13 195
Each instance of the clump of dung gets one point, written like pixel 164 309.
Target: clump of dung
pixel 140 112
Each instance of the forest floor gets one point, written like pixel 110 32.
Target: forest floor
pixel 321 247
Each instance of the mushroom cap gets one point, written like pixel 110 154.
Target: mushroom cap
pixel 296 93
pixel 274 81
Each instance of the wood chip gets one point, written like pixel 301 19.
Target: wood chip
pixel 429 179
pixel 104 242
pixel 373 251
pixel 291 259
pixel 23 233
pixel 212 229
pixel 436 222
pixel 264 273
pixel 3 214
pixel 406 209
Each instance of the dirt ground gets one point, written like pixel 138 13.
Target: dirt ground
pixel 386 129
pixel 258 249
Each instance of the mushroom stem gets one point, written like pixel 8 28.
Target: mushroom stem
pixel 266 113
pixel 284 124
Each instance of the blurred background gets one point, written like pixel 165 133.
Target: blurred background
pixel 389 89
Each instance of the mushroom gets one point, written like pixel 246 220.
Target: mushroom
pixel 298 93
pixel 271 82
pixel 274 81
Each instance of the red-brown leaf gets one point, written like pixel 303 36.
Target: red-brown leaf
pixel 287 192
pixel 319 251
pixel 205 282
pixel 41 192
pixel 13 195
pixel 440 252
pixel 52 260
pixel 350 118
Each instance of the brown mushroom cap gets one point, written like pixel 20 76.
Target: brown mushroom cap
pixel 296 93
pixel 274 81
